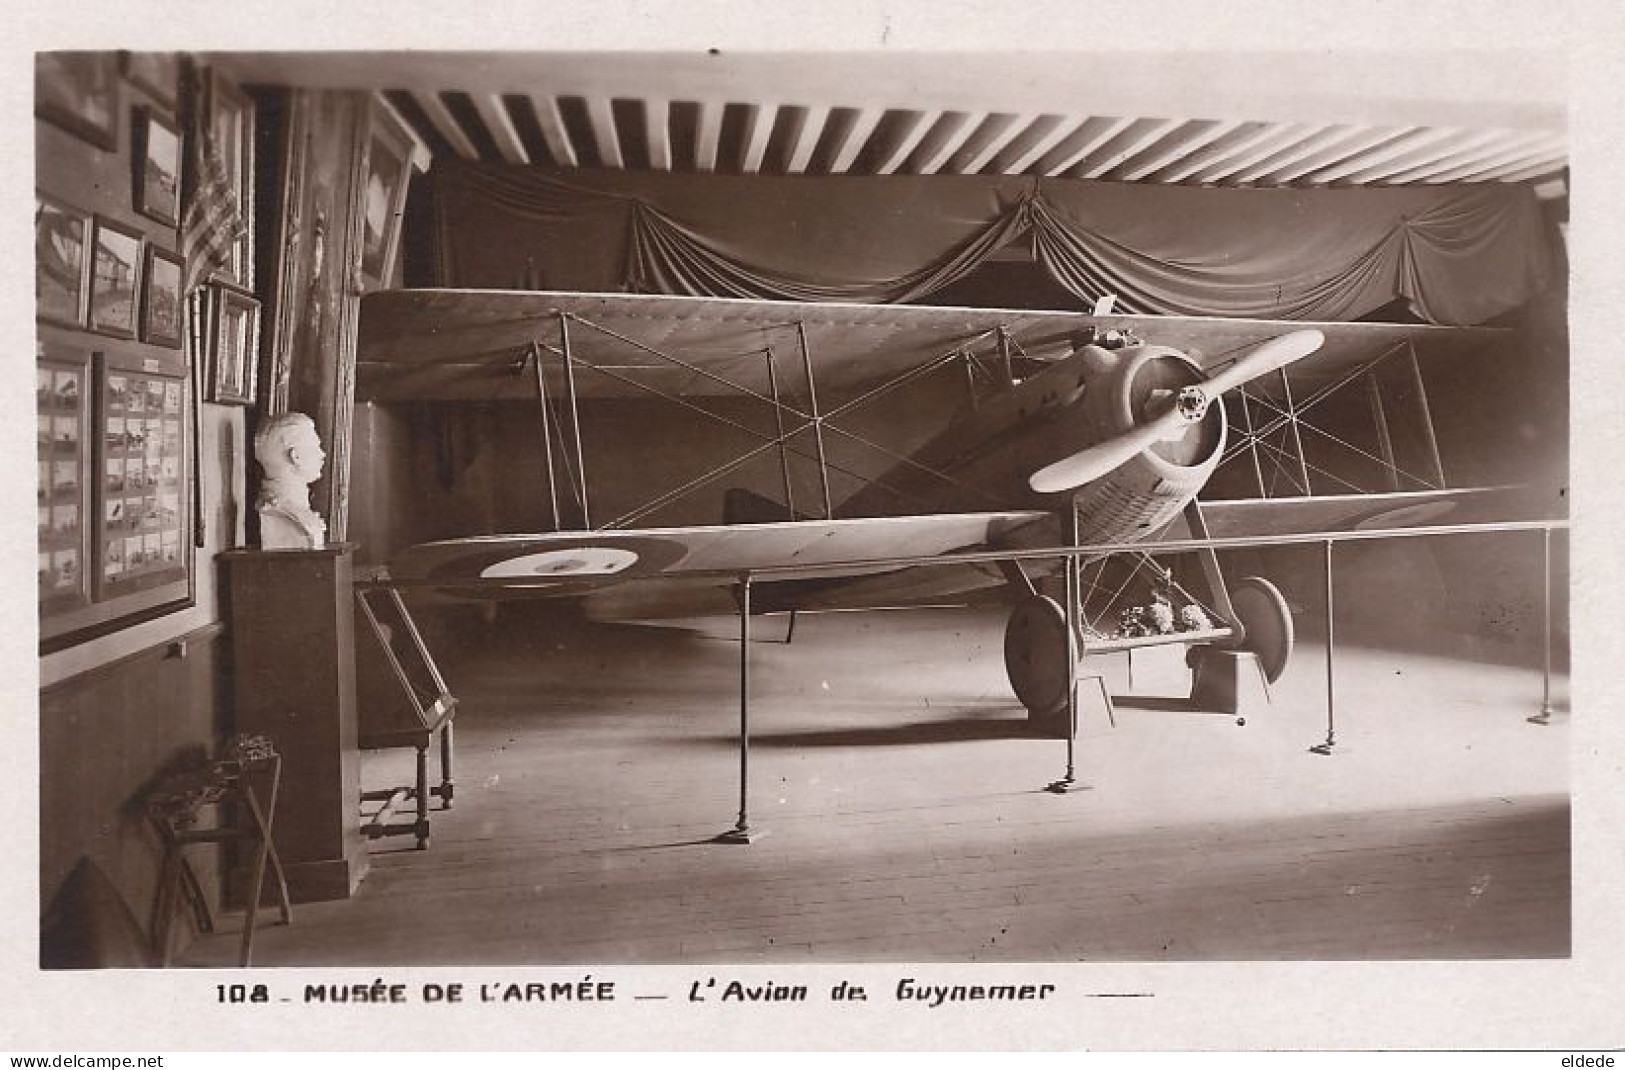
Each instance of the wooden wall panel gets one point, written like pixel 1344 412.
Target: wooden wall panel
pixel 106 736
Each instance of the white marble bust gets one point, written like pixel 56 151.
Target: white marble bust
pixel 290 454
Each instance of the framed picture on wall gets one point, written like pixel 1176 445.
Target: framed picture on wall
pixel 236 347
pixel 61 262
pixel 154 73
pixel 78 91
pixel 157 153
pixel 161 314
pixel 385 174
pixel 231 125
pixel 115 280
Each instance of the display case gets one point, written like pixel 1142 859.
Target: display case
pixel 114 472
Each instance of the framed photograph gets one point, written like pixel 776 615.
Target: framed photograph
pixel 157 167
pixel 79 92
pixel 156 74
pixel 236 347
pixel 231 124
pixel 115 280
pixel 161 315
pixel 61 262
pixel 385 174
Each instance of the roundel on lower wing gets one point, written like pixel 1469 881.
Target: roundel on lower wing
pixel 568 563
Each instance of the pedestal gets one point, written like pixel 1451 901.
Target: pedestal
pixel 1228 681
pixel 293 679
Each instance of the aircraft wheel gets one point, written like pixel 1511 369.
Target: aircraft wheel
pixel 1263 611
pixel 1035 655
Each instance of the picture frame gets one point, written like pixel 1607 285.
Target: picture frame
pixel 234 363
pixel 61 262
pixel 385 173
pixel 79 92
pixel 115 280
pixel 231 125
pixel 162 312
pixel 156 155
pixel 156 74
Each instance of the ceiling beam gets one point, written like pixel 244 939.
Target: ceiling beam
pixel 1400 147
pixel 1459 141
pixel 1513 159
pixel 1498 142
pixel 1072 155
pixel 545 110
pixel 1290 155
pixel 923 122
pixel 941 147
pixel 1352 145
pixel 1021 159
pixel 1278 137
pixel 494 114
pixel 445 124
pixel 1178 148
pixel 601 114
pixel 657 133
pixel 758 128
pixel 1551 166
pixel 707 135
pixel 853 140
pixel 805 139
pixel 1154 131
pixel 998 139
pixel 1238 141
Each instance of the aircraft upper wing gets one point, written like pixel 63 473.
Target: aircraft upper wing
pixel 448 345
pixel 569 563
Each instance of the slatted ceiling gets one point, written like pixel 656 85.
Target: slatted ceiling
pixel 945 138
pixel 1415 140
pixel 1354 144
pixel 1452 116
pixel 1179 144
pixel 805 126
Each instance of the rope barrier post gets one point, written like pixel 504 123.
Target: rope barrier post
pixel 1069 783
pixel 1331 694
pixel 742 832
pixel 1545 714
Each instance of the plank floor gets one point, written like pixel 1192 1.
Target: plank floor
pixel 902 799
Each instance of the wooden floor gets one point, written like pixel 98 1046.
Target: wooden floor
pixel 902 799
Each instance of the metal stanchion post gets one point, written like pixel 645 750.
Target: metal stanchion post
pixel 1331 626
pixel 742 832
pixel 1545 714
pixel 1069 782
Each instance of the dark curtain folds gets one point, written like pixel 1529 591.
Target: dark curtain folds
pixel 1455 256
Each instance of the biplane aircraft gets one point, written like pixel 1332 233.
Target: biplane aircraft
pixel 1073 430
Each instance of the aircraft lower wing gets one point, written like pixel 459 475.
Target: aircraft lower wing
pixel 602 566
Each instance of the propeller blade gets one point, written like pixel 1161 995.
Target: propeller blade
pixel 1276 353
pixel 1102 458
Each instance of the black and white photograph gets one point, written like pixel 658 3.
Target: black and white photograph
pixel 157 168
pixel 976 541
pixel 61 235
pixel 161 299
pixel 115 280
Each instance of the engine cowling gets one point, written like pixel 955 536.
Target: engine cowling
pixel 1149 489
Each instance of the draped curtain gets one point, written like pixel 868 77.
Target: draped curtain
pixel 1456 256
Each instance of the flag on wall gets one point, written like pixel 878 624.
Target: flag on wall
pixel 211 221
